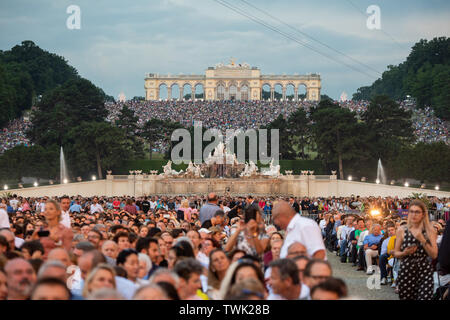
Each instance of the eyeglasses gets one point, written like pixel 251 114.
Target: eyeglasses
pixel 415 212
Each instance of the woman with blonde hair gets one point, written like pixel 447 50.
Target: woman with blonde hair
pixel 101 277
pixel 54 232
pixel 187 211
pixel 415 244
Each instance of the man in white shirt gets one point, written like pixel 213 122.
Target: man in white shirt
pixel 96 207
pixel 4 218
pixel 14 202
pixel 285 281
pixel 298 229
pixel 65 215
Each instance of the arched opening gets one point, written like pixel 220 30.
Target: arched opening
pixel 232 92
pixel 220 92
pixel 244 93
pixel 175 91
pixel 301 92
pixel 199 91
pixel 265 94
pixel 163 91
pixel 290 92
pixel 278 94
pixel 187 91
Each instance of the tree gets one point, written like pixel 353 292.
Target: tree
pixel 338 135
pixel 128 121
pixel 425 162
pixel 153 132
pixel 96 145
pixel 424 75
pixel 286 147
pixel 299 129
pixel 66 107
pixel 389 127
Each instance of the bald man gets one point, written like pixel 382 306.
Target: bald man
pixel 298 229
pixel 209 209
pixel 20 278
pixel 59 254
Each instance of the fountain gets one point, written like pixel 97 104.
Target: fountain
pixel 63 176
pixel 381 176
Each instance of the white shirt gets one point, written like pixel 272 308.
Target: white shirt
pixel 42 206
pixel 18 242
pixel 96 208
pixel 303 230
pixel 4 219
pixel 304 294
pixel 322 224
pixel 13 203
pixel 65 219
pixel 203 259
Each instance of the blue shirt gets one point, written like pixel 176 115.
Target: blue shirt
pixel 75 208
pixel 371 239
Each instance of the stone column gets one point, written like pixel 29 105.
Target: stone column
pixel 181 93
pixel 109 185
pixel 169 93
pixel 296 94
pixel 138 185
pixel 284 94
pixel 192 93
pixel 272 93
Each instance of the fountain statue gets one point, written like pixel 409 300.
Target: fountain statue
pixel 168 170
pixel 274 170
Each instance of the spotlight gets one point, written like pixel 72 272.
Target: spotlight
pixel 349 178
pixel 436 188
pixel 94 178
pixel 422 186
pixel 65 181
pixel 406 184
pixel 377 181
pixel 5 187
pixel 35 184
pixel 375 213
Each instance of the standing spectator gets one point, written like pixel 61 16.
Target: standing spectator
pixel 298 229
pixel 208 210
pixel 414 244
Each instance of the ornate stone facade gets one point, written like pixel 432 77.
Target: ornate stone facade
pixel 231 82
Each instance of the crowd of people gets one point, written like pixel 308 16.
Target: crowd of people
pixel 221 115
pixel 14 134
pixel 427 127
pixel 217 248
pixel 231 115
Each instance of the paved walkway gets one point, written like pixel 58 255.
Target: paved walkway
pixel 357 281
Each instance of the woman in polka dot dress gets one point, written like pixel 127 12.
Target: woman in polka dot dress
pixel 415 245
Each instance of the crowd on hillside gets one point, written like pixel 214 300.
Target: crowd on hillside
pixel 231 115
pixel 215 248
pixel 14 134
pixel 427 127
pixel 213 114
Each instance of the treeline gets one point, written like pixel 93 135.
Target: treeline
pixel 26 73
pixel 425 75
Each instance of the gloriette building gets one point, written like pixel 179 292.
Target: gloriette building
pixel 231 82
